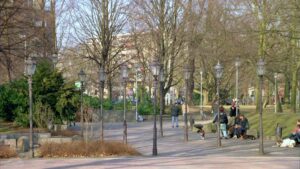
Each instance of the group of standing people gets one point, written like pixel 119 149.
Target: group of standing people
pixel 236 125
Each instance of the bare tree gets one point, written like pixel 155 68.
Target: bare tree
pixel 96 25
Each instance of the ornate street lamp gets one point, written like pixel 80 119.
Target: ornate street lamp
pixel 102 77
pixel 260 73
pixel 187 74
pixel 124 76
pixel 275 77
pixel 237 65
pixel 82 78
pixel 54 59
pixel 137 69
pixel 161 81
pixel 155 69
pixel 219 72
pixel 30 65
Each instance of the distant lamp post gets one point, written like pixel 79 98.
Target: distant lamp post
pixel 260 73
pixel 276 93
pixel 187 74
pixel 201 94
pixel 155 68
pixel 102 77
pixel 161 80
pixel 237 65
pixel 124 73
pixel 54 59
pixel 30 65
pixel 82 78
pixel 137 68
pixel 219 72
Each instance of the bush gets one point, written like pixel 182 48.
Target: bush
pixel 49 89
pixel 108 104
pixel 43 115
pixel 145 108
pixel 14 102
pixel 93 102
pixel 120 105
pixel 87 149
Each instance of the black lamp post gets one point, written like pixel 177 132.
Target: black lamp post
pixel 137 69
pixel 276 93
pixel 155 68
pixel 201 95
pixel 260 73
pixel 187 74
pixel 102 77
pixel 124 73
pixel 161 81
pixel 237 65
pixel 30 65
pixel 219 72
pixel 82 78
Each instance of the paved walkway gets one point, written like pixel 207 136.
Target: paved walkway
pixel 173 152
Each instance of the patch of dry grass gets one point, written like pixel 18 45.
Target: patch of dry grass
pixel 7 152
pixel 89 149
pixel 65 133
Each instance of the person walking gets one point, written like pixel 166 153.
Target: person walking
pixel 175 113
pixel 223 122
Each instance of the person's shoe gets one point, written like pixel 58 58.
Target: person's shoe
pixel 235 137
pixel 177 126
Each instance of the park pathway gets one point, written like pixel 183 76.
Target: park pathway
pixel 173 152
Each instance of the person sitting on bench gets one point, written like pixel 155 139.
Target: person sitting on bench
pixel 295 135
pixel 241 127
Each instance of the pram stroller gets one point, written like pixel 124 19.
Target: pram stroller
pixel 200 130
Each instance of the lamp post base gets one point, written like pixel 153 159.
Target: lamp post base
pixel 125 132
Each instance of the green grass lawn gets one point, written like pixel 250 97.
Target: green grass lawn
pixel 270 120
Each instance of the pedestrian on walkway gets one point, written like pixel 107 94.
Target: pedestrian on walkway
pixel 233 108
pixel 175 110
pixel 223 122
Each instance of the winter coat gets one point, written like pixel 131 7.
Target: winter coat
pixel 243 123
pixel 223 118
pixel 175 110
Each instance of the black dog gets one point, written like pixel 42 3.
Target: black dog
pixel 200 130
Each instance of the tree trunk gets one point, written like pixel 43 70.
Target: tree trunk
pixel 286 98
pixel 294 91
pixel 278 104
pixel 261 8
pixel 109 88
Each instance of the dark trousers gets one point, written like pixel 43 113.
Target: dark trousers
pixel 295 137
pixel 239 131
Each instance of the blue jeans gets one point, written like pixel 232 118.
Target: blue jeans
pixel 174 121
pixel 239 131
pixel 223 129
